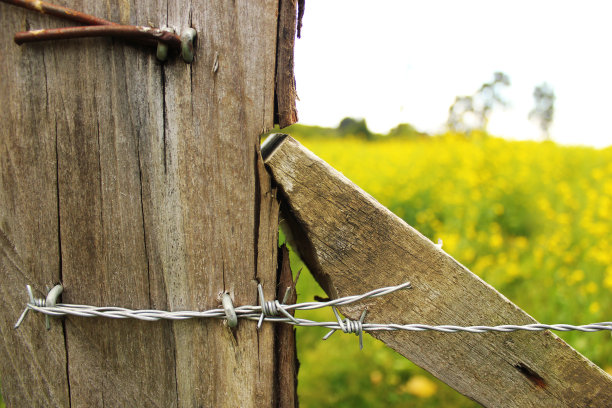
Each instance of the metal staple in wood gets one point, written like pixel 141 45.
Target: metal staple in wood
pixel 271 310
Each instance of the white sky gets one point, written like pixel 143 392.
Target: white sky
pixel 405 61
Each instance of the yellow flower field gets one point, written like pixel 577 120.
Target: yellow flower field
pixel 532 219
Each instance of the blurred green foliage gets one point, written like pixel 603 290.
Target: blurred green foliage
pixel 532 219
pixel 355 129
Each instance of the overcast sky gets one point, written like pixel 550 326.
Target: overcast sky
pixel 405 61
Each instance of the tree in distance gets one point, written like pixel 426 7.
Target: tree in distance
pixel 355 127
pixel 472 112
pixel 544 109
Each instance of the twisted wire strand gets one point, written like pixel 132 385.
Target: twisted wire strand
pixel 349 299
pixel 271 311
pixel 370 327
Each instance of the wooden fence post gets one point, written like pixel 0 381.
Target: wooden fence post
pixel 140 184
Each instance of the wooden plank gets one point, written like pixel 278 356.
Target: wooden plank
pixel 138 184
pixel 352 244
pixel 286 112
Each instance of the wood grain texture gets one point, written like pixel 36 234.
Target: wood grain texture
pixel 141 185
pixel 352 244
pixel 286 352
pixel 32 360
pixel 286 112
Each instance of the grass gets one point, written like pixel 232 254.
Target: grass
pixel 532 219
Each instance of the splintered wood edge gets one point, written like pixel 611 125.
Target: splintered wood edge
pixel 512 369
pixel 271 143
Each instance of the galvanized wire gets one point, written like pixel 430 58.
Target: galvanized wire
pixel 277 312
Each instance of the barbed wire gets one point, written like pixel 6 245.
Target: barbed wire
pixel 279 312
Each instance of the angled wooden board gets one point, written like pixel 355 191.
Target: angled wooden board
pixel 352 244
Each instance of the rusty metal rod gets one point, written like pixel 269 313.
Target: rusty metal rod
pixel 79 17
pixel 59 11
pixel 130 32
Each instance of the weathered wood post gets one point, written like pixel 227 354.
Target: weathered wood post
pixel 140 184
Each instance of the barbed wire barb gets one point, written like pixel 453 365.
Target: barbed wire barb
pixel 349 326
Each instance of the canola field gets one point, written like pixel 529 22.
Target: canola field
pixel 532 219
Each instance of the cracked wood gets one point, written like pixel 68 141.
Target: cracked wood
pixel 139 185
pixel 352 244
pixel 285 110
